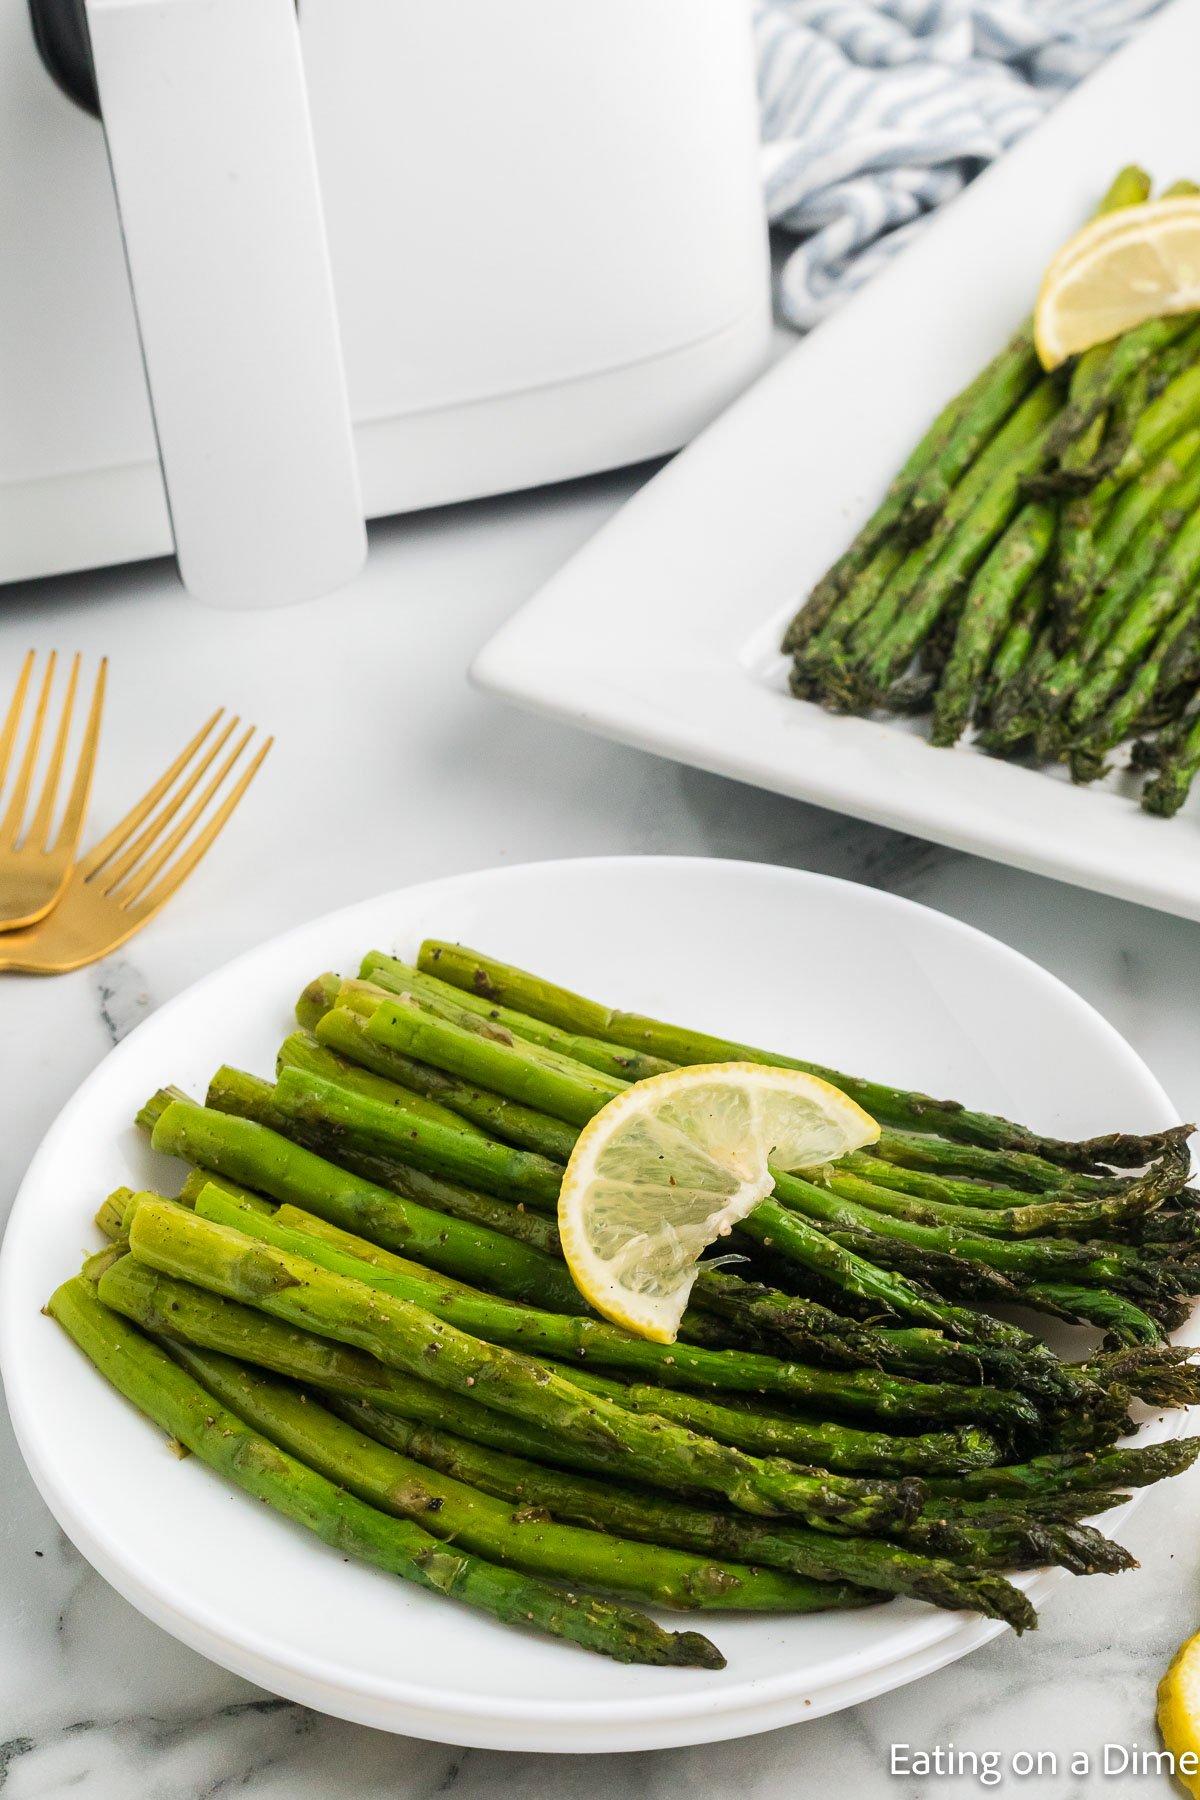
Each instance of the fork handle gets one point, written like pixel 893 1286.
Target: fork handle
pixel 205 111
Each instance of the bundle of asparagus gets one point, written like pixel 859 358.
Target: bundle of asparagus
pixel 1034 569
pixel 357 1310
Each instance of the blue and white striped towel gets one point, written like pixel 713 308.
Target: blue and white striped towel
pixel 874 112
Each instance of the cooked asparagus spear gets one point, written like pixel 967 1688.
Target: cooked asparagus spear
pixel 621 1062
pixel 180 1406
pixel 503 984
pixel 451 1510
pixel 409 1338
pixel 1173 576
pixel 344 1032
pixel 990 600
pixel 176 1308
pixel 261 1159
pixel 1101 374
pixel 1015 647
pixel 1105 1215
pixel 871 1393
pixel 996 391
pixel 1169 788
pixel 838 580
pixel 1075 1471
pixel 247 1097
pixel 770 1223
pixel 965 546
pixel 1131 704
pixel 1122 1266
pixel 887 1567
pixel 1143 555
pixel 836 1446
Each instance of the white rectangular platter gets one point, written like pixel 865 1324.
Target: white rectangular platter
pixel 663 631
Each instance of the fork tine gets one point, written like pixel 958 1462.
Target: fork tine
pixel 39 831
pixel 10 825
pixel 108 846
pixel 141 879
pixel 13 717
pixel 175 876
pixel 81 787
pixel 114 873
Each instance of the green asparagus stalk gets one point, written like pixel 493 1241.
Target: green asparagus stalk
pixel 1176 410
pixel 1105 372
pixel 1159 1375
pixel 839 580
pixel 1071 1472
pixel 1026 1259
pixel 1174 575
pixel 1003 386
pixel 464 1156
pixel 1104 1215
pixel 1011 1168
pixel 620 1062
pixel 180 1310
pixel 261 1159
pixel 199 1179
pixel 1015 647
pixel 1133 702
pixel 989 604
pixel 1170 787
pixel 565 1091
pixel 997 391
pixel 951 1190
pixel 181 1407
pixel 1120 1317
pixel 1120 423
pixel 1142 557
pixel 846 1449
pixel 345 1032
pixel 302 1050
pixel 1081 1549
pixel 925 1354
pixel 111 1215
pixel 248 1097
pixel 887 1567
pixel 812 655
pixel 1010 444
pixel 908 1112
pixel 409 1338
pixel 1075 545
pixel 866 1392
pixel 1142 497
pixel 965 547
pixel 476 1522
pixel 770 1223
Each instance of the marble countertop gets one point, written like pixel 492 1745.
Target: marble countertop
pixel 389 769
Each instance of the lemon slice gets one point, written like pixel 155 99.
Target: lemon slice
pixel 1139 263
pixel 1179 1713
pixel 673 1163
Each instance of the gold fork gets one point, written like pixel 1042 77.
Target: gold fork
pixel 34 873
pixel 120 884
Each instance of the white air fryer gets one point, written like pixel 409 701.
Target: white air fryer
pixel 265 273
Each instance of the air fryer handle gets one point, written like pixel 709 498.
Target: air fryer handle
pixel 206 114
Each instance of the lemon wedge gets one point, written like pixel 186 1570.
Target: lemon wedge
pixel 1138 263
pixel 673 1163
pixel 1179 1713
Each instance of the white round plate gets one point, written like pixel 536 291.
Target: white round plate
pixel 809 965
